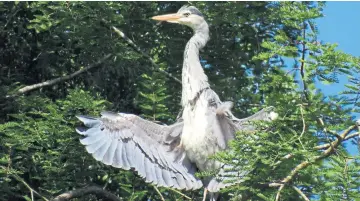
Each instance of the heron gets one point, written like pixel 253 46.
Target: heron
pixel 170 155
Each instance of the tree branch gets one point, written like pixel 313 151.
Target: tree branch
pixel 180 193
pixel 158 192
pixel 301 193
pixel 325 146
pixel 59 79
pixel 67 77
pixel 279 191
pixel 326 153
pixel 288 156
pixel 137 49
pixel 331 147
pixel 302 66
pixel 86 191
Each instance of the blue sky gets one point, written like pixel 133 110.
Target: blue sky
pixel 340 25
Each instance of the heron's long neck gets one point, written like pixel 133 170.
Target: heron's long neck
pixel 193 77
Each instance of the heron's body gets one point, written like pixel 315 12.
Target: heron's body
pixel 199 103
pixel 170 155
pixel 197 138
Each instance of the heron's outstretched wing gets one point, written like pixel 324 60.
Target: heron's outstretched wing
pixel 227 124
pixel 128 141
pixel 247 124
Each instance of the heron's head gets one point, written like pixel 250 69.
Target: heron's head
pixel 187 15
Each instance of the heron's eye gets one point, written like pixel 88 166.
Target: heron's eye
pixel 186 14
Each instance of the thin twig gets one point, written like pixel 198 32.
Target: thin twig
pixel 304 126
pixel 278 193
pixel 59 79
pixel 180 193
pixel 158 192
pixel 12 15
pixel 288 156
pixel 326 130
pixel 302 66
pixel 137 49
pixel 301 193
pixel 303 121
pixel 32 191
pixel 67 77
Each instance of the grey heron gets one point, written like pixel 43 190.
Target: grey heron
pixel 169 155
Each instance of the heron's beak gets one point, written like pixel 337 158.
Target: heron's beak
pixel 173 18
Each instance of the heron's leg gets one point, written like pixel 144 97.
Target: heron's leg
pixel 214 196
pixel 205 192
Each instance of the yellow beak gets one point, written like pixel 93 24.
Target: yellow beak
pixel 169 17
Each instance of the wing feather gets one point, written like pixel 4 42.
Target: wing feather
pixel 92 148
pixel 159 178
pixel 181 182
pixel 167 178
pixel 128 141
pixel 139 162
pixel 91 139
pixel 109 156
pixel 118 156
pixel 246 124
pixel 147 168
pixel 226 126
pixel 124 159
pixel 99 154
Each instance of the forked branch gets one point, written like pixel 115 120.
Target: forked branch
pixel 331 147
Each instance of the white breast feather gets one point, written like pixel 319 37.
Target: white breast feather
pixel 197 137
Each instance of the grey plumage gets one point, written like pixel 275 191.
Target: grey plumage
pixel 169 155
pixel 128 141
pixel 190 9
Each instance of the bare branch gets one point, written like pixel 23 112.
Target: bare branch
pixel 278 193
pixel 301 193
pixel 303 121
pixel 19 179
pixel 272 184
pixel 32 191
pixel 304 125
pixel 137 49
pixel 325 146
pixel 180 193
pixel 67 77
pixel 59 79
pixel 352 136
pixel 98 191
pixel 288 156
pixel 158 192
pixel 320 120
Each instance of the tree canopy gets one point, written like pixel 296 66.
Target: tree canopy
pixel 61 59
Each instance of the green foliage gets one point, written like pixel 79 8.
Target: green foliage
pixel 39 143
pixel 153 97
pixel 340 179
pixel 308 118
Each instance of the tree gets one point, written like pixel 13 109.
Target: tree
pixel 299 156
